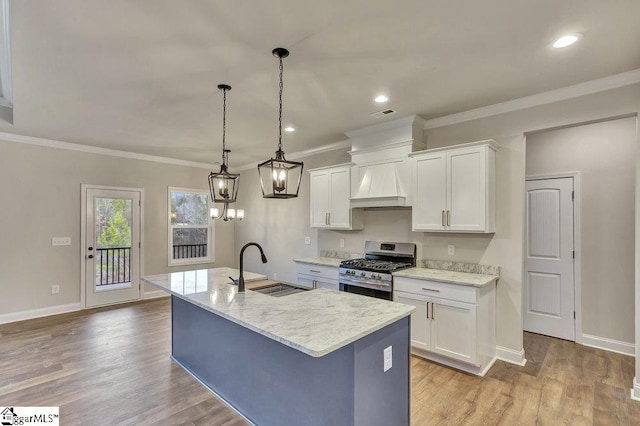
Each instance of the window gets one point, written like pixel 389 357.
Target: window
pixel 190 227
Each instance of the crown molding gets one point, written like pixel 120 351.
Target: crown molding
pixel 581 89
pixel 51 143
pixel 305 153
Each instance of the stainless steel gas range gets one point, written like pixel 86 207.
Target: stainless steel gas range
pixel 371 275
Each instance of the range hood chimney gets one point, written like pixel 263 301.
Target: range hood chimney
pixel 381 172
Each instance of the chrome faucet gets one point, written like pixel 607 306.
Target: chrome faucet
pixel 240 281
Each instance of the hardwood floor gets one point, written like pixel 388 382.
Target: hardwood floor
pixel 111 366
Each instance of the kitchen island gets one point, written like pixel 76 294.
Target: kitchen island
pixel 313 358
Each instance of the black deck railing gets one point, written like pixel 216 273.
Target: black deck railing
pixel 115 265
pixel 187 251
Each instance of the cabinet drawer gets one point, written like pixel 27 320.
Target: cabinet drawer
pixel 317 271
pixel 448 291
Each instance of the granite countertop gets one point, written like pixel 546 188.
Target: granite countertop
pixel 452 277
pixel 315 322
pixel 321 261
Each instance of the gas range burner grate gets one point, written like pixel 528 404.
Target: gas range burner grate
pixel 373 265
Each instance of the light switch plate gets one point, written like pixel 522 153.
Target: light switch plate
pixel 61 241
pixel 451 249
pixel 342 242
pixel 388 358
pixel 307 240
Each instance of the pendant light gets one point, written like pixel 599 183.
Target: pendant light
pixel 223 185
pixel 279 177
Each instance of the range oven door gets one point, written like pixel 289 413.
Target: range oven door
pixel 366 291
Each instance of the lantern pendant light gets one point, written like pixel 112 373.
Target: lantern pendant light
pixel 279 177
pixel 223 185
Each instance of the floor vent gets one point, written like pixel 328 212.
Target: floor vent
pixel 382 113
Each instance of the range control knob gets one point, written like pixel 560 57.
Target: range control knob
pixel 363 274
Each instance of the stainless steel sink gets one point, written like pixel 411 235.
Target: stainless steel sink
pixel 280 290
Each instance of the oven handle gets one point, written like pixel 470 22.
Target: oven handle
pixel 357 283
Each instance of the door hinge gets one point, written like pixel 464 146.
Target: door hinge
pixel 573 195
pixel 574 314
pixel 140 203
pixel 139 245
pixel 574 254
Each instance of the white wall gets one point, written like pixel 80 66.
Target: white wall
pixel 604 154
pixel 40 199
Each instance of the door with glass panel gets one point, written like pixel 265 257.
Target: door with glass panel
pixel 112 246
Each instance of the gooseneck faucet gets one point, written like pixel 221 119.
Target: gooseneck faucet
pixel 240 281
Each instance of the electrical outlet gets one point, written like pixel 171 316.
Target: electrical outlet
pixel 275 276
pixel 451 249
pixel 55 289
pixel 61 241
pixel 307 240
pixel 342 242
pixel 388 358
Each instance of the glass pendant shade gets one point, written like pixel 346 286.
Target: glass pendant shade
pixel 279 177
pixel 227 213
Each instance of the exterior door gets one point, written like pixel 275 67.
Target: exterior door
pixel 112 246
pixel 549 268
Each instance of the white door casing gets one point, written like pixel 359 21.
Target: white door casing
pixel 98 289
pixel 549 284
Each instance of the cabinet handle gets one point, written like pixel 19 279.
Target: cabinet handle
pixel 448 217
pixel 427 310
pixel 433 311
pixel 431 289
pixel 329 218
pixel 442 218
pixel 313 270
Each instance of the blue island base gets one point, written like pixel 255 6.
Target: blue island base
pixel 270 383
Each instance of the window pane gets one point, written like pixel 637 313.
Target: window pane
pixel 113 218
pixel 189 243
pixel 188 209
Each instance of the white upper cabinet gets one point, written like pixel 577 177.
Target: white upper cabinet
pixel 454 188
pixel 330 193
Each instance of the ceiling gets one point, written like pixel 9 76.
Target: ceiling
pixel 141 76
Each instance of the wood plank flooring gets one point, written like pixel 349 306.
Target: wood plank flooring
pixel 111 366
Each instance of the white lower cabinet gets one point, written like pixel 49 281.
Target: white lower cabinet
pixel 453 324
pixel 318 276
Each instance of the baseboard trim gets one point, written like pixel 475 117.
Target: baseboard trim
pixel 511 356
pixel 610 345
pixel 38 313
pixel 154 294
pixel 635 390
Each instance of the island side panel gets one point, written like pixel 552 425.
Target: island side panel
pixel 268 382
pixel 382 398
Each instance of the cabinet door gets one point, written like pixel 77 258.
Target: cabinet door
pixel 429 192
pixel 466 189
pixel 339 194
pixel 319 195
pixel 305 281
pixel 420 325
pixel 453 332
pixel 331 285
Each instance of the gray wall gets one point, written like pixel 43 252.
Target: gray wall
pixel 604 154
pixel 41 199
pixel 279 225
pixel 285 237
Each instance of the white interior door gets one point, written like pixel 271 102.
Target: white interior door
pixel 112 246
pixel 549 275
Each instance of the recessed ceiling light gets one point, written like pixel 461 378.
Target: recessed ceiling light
pixel 289 129
pixel 381 99
pixel 566 40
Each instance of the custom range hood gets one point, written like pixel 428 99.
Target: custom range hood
pixel 381 174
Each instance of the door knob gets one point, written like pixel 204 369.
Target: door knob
pixel 90 256
pixel 90 248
